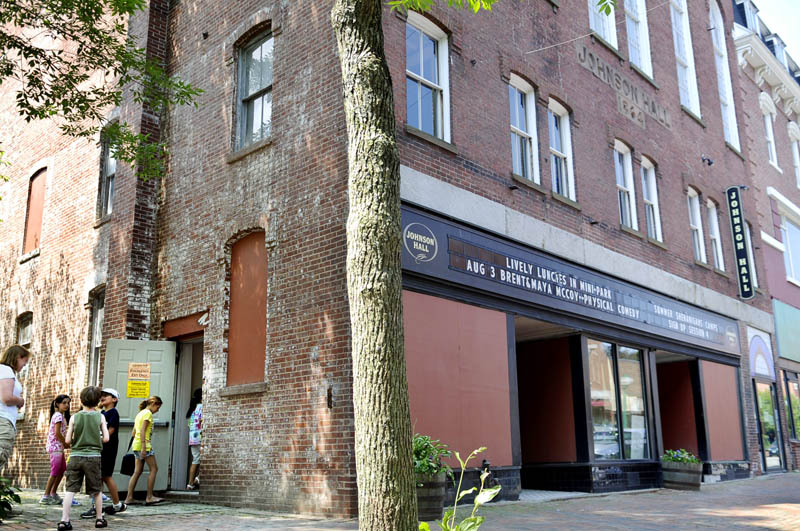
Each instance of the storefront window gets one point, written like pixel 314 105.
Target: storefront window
pixel 618 399
pixel 768 426
pixel 793 403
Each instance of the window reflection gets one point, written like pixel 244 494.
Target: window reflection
pixel 604 400
pixel 631 392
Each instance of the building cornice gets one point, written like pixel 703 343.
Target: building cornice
pixel 770 75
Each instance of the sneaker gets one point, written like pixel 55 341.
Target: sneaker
pixel 105 498
pixel 56 499
pixel 46 500
pixel 89 514
pixel 120 509
pixel 74 502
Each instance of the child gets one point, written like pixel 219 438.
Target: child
pixel 195 416
pixel 143 450
pixel 108 457
pixel 86 433
pixel 59 416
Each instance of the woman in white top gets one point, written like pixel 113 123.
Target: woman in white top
pixel 13 360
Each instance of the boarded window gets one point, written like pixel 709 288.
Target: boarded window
pixel 33 224
pixel 247 331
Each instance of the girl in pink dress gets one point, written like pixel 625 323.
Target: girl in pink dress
pixel 59 418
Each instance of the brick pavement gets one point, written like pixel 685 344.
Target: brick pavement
pixel 771 502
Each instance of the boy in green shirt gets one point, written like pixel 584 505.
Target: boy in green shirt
pixel 86 434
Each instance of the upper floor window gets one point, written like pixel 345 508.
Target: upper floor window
pixel 625 192
pixel 696 226
pixel 524 145
pixel 791 254
pixel 255 90
pixel 604 25
pixel 714 236
pixel 427 77
pixel 769 111
pixel 33 218
pixel 25 329
pixel 98 314
pixel 748 241
pixel 108 169
pixel 793 403
pixel 794 137
pixel 684 56
pixel 724 87
pixel 638 35
pixel 560 150
pixel 652 211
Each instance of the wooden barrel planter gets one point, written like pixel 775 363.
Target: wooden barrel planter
pixel 682 476
pixel 430 496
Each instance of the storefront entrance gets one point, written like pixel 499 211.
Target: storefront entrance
pixel 768 424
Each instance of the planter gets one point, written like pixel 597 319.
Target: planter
pixel 682 476
pixel 430 495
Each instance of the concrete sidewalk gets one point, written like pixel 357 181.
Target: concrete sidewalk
pixel 767 502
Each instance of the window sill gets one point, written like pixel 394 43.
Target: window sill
pixel 528 183
pixel 657 243
pixel 777 168
pixel 29 256
pixel 693 116
pixel 102 221
pixel 411 130
pixel 702 264
pixel 735 150
pixel 790 280
pixel 252 148
pixel 566 200
pixel 244 389
pixel 644 75
pixel 597 38
pixel 631 231
pixel 722 273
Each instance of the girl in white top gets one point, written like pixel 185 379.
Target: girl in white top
pixel 12 361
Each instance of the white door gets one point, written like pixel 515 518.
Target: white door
pixel 159 357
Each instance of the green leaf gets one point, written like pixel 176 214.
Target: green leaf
pixel 423 526
pixel 470 523
pixel 487 495
pixel 464 493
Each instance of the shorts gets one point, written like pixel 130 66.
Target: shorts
pixel 107 462
pixel 196 453
pixel 58 464
pixel 8 433
pixel 80 467
pixel 143 455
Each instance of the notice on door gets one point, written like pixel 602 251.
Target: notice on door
pixel 138 371
pixel 138 389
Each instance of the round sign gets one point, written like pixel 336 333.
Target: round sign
pixel 420 242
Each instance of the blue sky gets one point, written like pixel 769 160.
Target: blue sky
pixel 783 18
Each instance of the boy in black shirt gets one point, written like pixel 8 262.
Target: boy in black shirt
pixel 108 400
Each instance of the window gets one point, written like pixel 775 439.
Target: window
pixel 560 150
pixel 794 137
pixel 625 192
pixel 652 212
pixel 98 313
pixel 769 111
pixel 108 168
pixel 247 321
pixel 696 226
pixel 791 255
pixel 748 241
pixel 25 329
pixel 618 401
pixel 33 220
pixel 524 148
pixel 713 234
pixel 427 84
pixel 638 35
pixel 684 56
pixel 604 25
pixel 793 403
pixel 255 91
pixel 729 127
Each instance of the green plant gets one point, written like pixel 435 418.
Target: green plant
pixel 679 456
pixel 8 494
pixel 471 522
pixel 428 454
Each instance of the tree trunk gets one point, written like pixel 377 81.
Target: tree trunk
pixel 386 498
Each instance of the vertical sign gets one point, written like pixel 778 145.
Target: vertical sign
pixel 741 258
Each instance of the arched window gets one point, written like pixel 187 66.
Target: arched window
pixel 33 218
pixel 724 87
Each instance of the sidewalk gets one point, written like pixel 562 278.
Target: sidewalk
pixel 767 502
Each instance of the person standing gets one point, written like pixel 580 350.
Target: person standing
pixel 108 457
pixel 143 450
pixel 59 417
pixel 12 361
pixel 195 416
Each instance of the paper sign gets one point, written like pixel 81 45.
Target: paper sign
pixel 138 371
pixel 138 389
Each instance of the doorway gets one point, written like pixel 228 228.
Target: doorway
pixel 768 425
pixel 188 378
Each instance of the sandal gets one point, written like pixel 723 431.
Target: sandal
pixel 64 526
pixel 100 522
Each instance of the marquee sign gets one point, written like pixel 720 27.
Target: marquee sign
pixel 742 257
pixel 452 252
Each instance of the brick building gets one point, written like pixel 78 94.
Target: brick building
pixel 571 298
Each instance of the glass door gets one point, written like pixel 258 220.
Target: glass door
pixel 768 426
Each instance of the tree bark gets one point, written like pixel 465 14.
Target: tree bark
pixel 386 492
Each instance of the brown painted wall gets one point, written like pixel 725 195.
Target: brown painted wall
pixel 247 342
pixel 677 406
pixel 722 412
pixel 457 363
pixel 547 420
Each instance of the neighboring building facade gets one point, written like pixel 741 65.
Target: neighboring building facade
pixel 770 84
pixel 571 297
